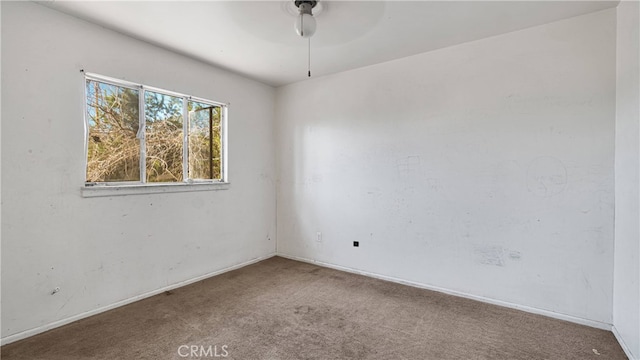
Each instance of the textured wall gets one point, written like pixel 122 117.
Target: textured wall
pixel 626 293
pixel 100 251
pixel 484 168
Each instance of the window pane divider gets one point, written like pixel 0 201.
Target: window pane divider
pixel 86 124
pixel 142 117
pixel 164 92
pixel 185 139
pixel 205 101
pixel 112 81
pixel 224 171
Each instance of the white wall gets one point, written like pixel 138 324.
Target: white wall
pixel 484 168
pixel 626 293
pixel 100 251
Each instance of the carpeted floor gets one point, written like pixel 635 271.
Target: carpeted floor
pixel 284 309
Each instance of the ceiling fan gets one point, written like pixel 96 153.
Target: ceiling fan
pixel 305 24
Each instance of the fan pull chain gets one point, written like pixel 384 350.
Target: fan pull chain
pixel 309 63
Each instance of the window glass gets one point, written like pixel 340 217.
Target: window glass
pixel 205 148
pixel 113 120
pixel 167 149
pixel 163 137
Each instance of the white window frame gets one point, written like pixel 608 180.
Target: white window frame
pixel 113 188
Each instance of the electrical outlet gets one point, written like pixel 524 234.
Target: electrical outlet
pixel 356 244
pixel 319 236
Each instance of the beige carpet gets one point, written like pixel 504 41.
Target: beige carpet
pixel 283 309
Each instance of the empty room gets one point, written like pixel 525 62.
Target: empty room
pixel 291 180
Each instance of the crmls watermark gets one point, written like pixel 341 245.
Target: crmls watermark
pixel 201 351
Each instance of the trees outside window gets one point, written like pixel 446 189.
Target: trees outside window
pixel 138 134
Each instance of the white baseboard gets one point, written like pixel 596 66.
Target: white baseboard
pixel 555 315
pixel 624 346
pixel 55 324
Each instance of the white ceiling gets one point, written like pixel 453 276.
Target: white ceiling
pixel 257 39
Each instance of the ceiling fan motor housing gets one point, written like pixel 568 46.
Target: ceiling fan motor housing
pixel 305 6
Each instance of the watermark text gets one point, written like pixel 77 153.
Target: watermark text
pixel 201 351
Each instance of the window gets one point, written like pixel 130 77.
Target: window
pixel 138 135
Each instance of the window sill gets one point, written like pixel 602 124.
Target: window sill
pixel 138 189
